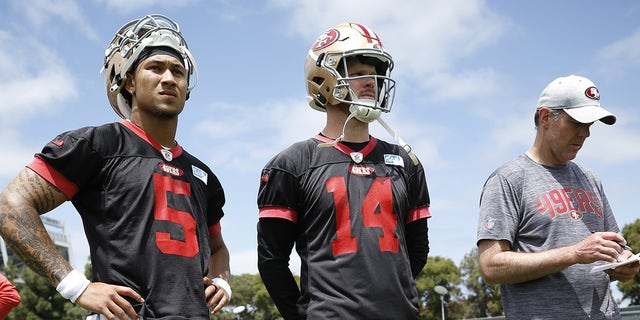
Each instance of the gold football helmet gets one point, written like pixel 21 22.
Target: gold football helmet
pixel 327 76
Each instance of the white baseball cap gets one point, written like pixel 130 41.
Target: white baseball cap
pixel 578 97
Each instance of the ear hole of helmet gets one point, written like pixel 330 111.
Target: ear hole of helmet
pixel 323 91
pixel 123 91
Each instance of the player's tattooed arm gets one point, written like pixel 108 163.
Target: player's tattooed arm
pixel 21 204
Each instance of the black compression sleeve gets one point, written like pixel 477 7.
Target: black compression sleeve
pixel 275 241
pixel 417 245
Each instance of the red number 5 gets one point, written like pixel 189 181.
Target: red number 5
pixel 378 196
pixel 189 246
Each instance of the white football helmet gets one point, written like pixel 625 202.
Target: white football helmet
pixel 153 30
pixel 327 76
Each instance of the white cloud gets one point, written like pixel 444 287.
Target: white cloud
pixel 47 14
pixel 33 79
pixel 620 55
pixel 251 134
pixel 413 32
pixel 464 86
pixel 15 155
pixel 613 145
pixel 126 6
pixel 247 262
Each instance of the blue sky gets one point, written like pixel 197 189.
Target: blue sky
pixel 469 74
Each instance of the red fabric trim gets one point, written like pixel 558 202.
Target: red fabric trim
pixel 419 213
pixel 54 177
pixel 176 151
pixel 278 212
pixel 346 150
pixel 215 230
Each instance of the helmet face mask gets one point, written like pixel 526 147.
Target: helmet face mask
pixel 129 42
pixel 327 74
pixel 384 84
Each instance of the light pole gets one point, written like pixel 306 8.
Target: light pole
pixel 440 290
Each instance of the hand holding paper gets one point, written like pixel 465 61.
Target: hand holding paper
pixel 612 265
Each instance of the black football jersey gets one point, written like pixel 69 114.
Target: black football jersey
pixel 350 208
pixel 148 213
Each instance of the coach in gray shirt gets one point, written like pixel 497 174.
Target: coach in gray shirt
pixel 545 221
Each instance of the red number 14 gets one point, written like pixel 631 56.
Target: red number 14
pixel 378 196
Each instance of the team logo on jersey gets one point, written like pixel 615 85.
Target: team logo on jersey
pixel 360 170
pixel 166 154
pixel 393 160
pixel 200 174
pixel 170 169
pixel 356 157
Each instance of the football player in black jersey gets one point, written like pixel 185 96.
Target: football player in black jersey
pixel 151 211
pixel 355 207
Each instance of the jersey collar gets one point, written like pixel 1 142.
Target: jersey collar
pixel 346 150
pixel 176 151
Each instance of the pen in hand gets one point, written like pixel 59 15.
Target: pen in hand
pixel 621 244
pixel 624 246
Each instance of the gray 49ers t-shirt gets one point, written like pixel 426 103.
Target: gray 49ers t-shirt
pixel 537 208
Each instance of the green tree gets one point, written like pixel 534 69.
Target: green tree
pixel 483 300
pixel 40 300
pixel 249 292
pixel 444 272
pixel 631 289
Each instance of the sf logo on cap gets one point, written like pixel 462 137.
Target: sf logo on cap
pixel 592 93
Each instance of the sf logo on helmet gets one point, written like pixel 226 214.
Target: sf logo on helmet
pixel 592 93
pixel 326 39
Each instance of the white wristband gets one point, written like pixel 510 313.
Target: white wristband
pixel 73 285
pixel 222 283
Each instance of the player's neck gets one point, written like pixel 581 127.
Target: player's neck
pixel 354 131
pixel 543 157
pixel 350 134
pixel 161 130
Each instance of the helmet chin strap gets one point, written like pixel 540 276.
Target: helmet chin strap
pixel 341 137
pixel 403 144
pixel 367 114
pixel 362 110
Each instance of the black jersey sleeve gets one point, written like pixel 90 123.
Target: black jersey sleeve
pixel 73 155
pixel 275 242
pixel 417 245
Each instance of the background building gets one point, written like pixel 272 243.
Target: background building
pixel 58 234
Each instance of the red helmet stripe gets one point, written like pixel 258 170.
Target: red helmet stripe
pixel 369 34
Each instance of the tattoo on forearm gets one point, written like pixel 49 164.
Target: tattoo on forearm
pixel 21 203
